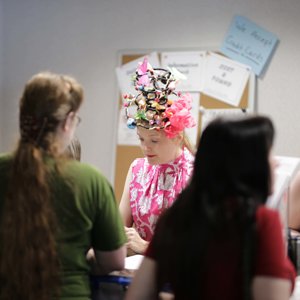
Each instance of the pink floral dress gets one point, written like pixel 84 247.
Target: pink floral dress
pixel 153 188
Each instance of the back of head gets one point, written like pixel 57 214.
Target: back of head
pixel 46 101
pixel 232 158
pixel 29 264
pixel 231 177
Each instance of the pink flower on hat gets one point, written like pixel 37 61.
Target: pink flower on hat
pixel 179 115
pixel 144 80
pixel 142 71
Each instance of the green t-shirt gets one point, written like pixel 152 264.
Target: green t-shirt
pixel 87 216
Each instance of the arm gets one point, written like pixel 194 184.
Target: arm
pixel 124 206
pixel 143 286
pixel 271 288
pixel 294 203
pixel 107 250
pixel 104 262
pixel 135 242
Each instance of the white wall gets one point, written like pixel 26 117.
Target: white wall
pixel 83 38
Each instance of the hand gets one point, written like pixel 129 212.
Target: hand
pixel 134 241
pixel 165 296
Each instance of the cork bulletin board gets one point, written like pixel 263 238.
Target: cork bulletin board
pixel 125 154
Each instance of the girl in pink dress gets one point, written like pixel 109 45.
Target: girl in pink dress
pixel 153 182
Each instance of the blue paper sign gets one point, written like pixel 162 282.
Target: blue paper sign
pixel 249 44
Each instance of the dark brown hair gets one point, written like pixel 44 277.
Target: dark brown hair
pixel 231 178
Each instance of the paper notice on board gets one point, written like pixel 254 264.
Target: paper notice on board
pixel 249 44
pixel 288 164
pixel 207 115
pixel 126 136
pixel 224 79
pixel 125 72
pixel 281 185
pixel 192 133
pixel 286 170
pixel 190 64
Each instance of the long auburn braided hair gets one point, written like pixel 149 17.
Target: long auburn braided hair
pixel 29 266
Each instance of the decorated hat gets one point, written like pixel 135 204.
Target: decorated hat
pixel 157 105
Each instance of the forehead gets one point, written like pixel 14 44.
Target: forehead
pixel 149 133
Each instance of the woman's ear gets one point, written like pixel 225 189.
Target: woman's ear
pixel 68 122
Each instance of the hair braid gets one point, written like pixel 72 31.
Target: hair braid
pixel 28 227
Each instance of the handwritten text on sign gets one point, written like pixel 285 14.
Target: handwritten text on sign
pixel 249 44
pixel 225 79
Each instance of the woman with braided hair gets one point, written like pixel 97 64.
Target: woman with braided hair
pixel 219 240
pixel 58 217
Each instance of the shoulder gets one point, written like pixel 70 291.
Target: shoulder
pixel 5 157
pixel 138 162
pixel 188 161
pixel 88 184
pixel 188 155
pixel 268 222
pixel 267 218
pixel 265 214
pixel 5 160
pixel 81 168
pixel 271 258
pixel 84 174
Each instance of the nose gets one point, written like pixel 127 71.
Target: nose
pixel 146 147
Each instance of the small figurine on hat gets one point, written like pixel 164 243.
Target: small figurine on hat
pixel 157 104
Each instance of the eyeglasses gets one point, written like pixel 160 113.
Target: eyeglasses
pixel 78 120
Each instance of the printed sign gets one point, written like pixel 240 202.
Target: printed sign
pixel 189 64
pixel 125 72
